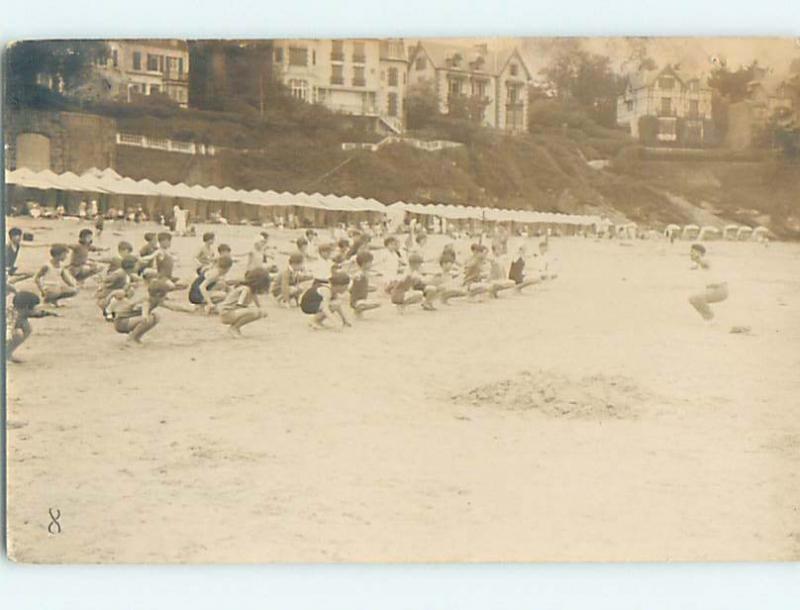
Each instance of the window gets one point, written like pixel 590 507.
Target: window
pixel 392 104
pixel 279 55
pixel 137 60
pixel 666 83
pixel 629 105
pixel 115 58
pixel 393 77
pixel 155 89
pixel 337 50
pixel 694 86
pixel 153 63
pixel 666 106
pixel 454 87
pixel 694 108
pixel 514 69
pixel 358 76
pixel 180 66
pixel 337 74
pixel 298 56
pixel 667 129
pixel 479 88
pixel 513 94
pixel 420 63
pixel 358 53
pixel 299 88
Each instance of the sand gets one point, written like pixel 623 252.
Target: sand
pixel 595 418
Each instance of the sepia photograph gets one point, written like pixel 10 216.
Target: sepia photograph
pixel 412 300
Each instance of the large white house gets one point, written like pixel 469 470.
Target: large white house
pixel 364 77
pixel 497 79
pixel 134 68
pixel 679 104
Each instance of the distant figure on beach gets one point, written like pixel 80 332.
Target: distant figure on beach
pixel 715 289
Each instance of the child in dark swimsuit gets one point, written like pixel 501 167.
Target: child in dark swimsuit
pixel 516 271
pixel 210 287
pixel 165 262
pixel 322 301
pixel 18 329
pixel 359 289
pixel 135 317
pixel 80 265
pixel 287 287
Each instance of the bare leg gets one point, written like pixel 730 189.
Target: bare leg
pixel 142 327
pixel 451 293
pixel 526 283
pixel 242 318
pixel 18 337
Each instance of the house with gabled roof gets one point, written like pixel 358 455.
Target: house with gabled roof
pixel 496 82
pixel 666 106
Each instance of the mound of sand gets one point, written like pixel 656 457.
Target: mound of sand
pixel 556 395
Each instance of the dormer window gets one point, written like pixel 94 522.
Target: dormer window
pixel 666 82
pixel 514 69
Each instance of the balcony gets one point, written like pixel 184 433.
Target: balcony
pixel 359 58
pixel 174 75
pixel 337 56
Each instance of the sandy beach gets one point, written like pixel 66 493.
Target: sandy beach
pixel 594 418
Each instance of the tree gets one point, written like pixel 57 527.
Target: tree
pixel 587 80
pixel 732 86
pixel 422 105
pixel 66 61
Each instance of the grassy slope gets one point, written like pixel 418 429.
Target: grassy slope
pixel 545 171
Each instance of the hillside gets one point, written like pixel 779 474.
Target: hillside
pixel 545 171
pixel 297 147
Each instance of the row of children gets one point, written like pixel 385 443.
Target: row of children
pixel 316 278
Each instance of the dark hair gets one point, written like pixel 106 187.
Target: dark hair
pixel 389 240
pixel 128 263
pixel 301 241
pixel 421 237
pixel 340 279
pixel 326 247
pixel 699 248
pixel 258 280
pixel 84 233
pixel 343 243
pixel 58 250
pixel 158 288
pixel 364 257
pixel 223 248
pixel 264 234
pixel 14 231
pixel 296 258
pixel 26 300
pixel 149 236
pixel 447 256
pixel 209 236
pixel 126 245
pixel 415 258
pixel 225 261
pixel 164 236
